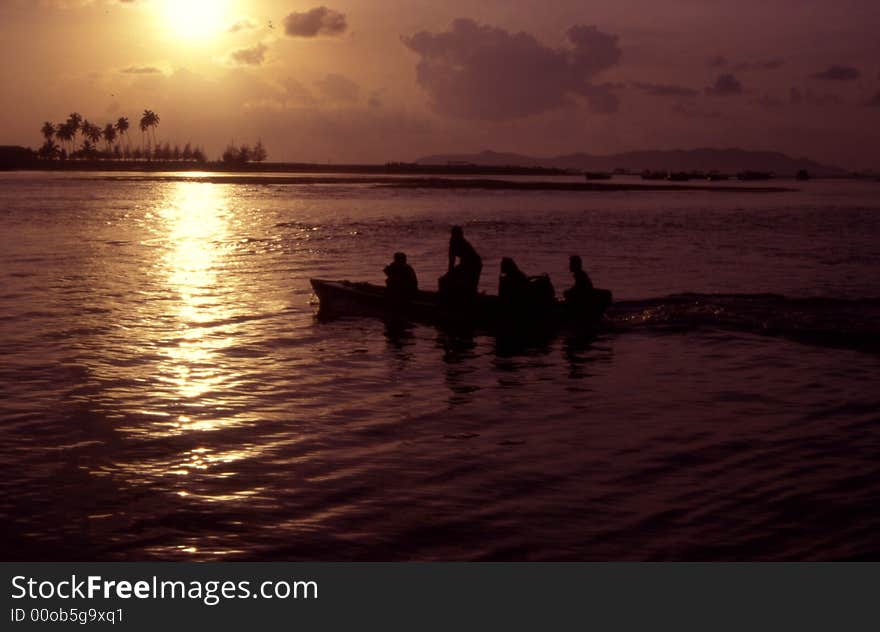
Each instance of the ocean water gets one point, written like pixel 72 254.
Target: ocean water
pixel 166 392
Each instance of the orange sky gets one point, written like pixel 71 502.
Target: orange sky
pixel 385 80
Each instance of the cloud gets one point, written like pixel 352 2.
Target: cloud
pixel 314 22
pixel 766 64
pixel 720 61
pixel 253 56
pixel 875 102
pixel 475 71
pixel 725 85
pixel 241 25
pixel 838 73
pixel 338 88
pixel 665 90
pixel 797 96
pixel 140 70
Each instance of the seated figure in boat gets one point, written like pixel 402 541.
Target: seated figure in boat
pixel 520 293
pixel 513 284
pixel 462 279
pixel 401 280
pixel 581 293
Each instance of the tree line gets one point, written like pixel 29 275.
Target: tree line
pixel 77 138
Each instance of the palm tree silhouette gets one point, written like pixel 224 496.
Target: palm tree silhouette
pixel 48 131
pixel 64 132
pixel 122 128
pixel 91 135
pixel 74 121
pixel 109 134
pixel 149 122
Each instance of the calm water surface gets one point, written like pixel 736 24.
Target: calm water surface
pixel 167 393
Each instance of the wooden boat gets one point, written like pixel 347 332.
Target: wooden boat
pixel 484 312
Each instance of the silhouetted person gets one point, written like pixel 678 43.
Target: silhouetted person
pixel 582 291
pixel 462 280
pixel 401 279
pixel 513 284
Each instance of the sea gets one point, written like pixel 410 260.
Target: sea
pixel 168 393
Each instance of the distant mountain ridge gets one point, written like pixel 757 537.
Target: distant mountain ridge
pixel 703 159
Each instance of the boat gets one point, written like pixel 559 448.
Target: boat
pixel 485 312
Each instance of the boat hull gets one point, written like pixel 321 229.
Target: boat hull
pixel 346 298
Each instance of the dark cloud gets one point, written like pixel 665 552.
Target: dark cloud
pixel 797 97
pixel 338 88
pixel 838 73
pixel 253 56
pixel 475 71
pixel 719 61
pixel 140 70
pixel 241 25
pixel 314 22
pixel 725 85
pixel 665 90
pixel 875 102
pixel 297 93
pixel 766 64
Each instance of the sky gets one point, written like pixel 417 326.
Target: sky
pixel 386 80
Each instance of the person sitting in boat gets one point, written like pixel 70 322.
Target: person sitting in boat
pixel 513 284
pixel 581 292
pixel 462 280
pixel 401 280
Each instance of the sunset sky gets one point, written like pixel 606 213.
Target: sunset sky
pixel 371 80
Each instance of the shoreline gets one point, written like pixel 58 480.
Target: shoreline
pixel 402 182
pixel 390 168
pixel 395 180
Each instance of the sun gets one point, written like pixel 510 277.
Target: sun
pixel 195 19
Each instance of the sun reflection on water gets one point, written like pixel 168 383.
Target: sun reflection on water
pixel 197 218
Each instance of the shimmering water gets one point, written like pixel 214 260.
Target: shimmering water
pixel 166 392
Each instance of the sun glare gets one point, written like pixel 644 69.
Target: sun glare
pixel 195 19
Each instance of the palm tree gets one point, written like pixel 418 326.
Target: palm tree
pixel 109 134
pixel 122 128
pixel 149 121
pixel 91 133
pixel 48 131
pixel 74 122
pixel 65 133
pixel 144 125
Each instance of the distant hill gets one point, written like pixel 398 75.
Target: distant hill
pixel 704 159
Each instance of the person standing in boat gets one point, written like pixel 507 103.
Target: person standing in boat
pixel 581 293
pixel 462 280
pixel 401 281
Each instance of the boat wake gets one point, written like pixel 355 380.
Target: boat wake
pixel 840 323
